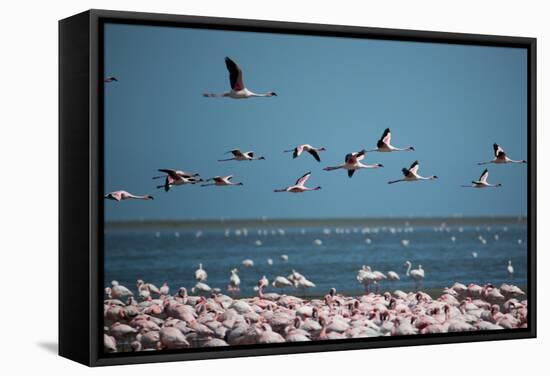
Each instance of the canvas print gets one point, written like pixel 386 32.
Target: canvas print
pixel 266 188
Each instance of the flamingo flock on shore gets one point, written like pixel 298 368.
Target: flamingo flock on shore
pixel 158 320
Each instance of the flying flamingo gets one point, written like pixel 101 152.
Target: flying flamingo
pixel 297 151
pixel 176 177
pixel 384 144
pixel 416 274
pixel 299 187
pixel 241 156
pixel 501 157
pixel 123 195
pixel 410 174
pixel 221 181
pixel 482 182
pixel 353 163
pixel 238 90
pixel 110 79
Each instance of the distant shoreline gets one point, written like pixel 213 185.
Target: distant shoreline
pixel 312 222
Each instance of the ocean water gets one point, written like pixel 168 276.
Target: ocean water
pixel 327 256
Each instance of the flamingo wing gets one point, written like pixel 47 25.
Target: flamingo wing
pixel 386 137
pixel 297 151
pixel 499 152
pixel 236 152
pixel 235 74
pixel 350 173
pixel 414 167
pixel 302 180
pixel 315 155
pixel 172 173
pixel 360 154
pixel 484 175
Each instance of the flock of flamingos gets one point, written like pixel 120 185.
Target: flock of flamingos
pixel 155 320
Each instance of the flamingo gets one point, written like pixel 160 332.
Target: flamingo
pixel 410 174
pixel 297 151
pixel 415 274
pixel 393 276
pixel 281 282
pixel 384 144
pixel 200 274
pixel 234 282
pixel 482 182
pixel 221 181
pixel 241 156
pixel 238 90
pixel 501 157
pixel 201 287
pixel 262 283
pixel 299 186
pixel 510 268
pixel 110 79
pixel 176 177
pixel 123 195
pixel 353 163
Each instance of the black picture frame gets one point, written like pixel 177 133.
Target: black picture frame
pixel 81 182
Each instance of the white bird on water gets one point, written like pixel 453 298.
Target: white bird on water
pixel 238 90
pixel 281 282
pixel 510 268
pixel 415 274
pixel 248 263
pixel 482 182
pixel 411 174
pixel 393 276
pixel 234 282
pixel 384 144
pixel 352 162
pixel 501 157
pixel 200 274
pixel 201 287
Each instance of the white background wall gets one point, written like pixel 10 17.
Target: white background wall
pixel 28 164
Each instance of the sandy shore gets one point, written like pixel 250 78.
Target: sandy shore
pixel 179 321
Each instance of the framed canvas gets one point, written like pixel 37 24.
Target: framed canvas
pixel 232 188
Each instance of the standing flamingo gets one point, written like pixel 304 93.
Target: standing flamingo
pixel 384 144
pixel 501 157
pixel 297 151
pixel 299 186
pixel 410 174
pixel 482 182
pixel 353 163
pixel 241 156
pixel 415 274
pixel 123 195
pixel 510 268
pixel 221 181
pixel 200 274
pixel 238 90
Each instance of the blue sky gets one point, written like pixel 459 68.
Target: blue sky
pixel 450 102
